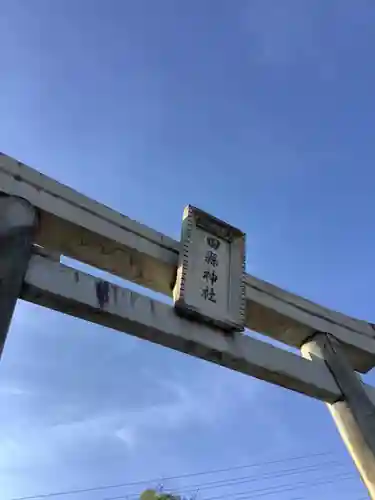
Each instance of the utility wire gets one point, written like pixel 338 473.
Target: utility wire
pixel 182 476
pixel 262 492
pixel 242 480
pixel 239 480
pixel 272 490
pixel 279 489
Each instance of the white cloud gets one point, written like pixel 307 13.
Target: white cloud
pixel 203 401
pixel 13 390
pixel 281 31
pixel 290 31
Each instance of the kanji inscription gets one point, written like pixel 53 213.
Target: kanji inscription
pixel 209 284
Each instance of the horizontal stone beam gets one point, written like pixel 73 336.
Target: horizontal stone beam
pixel 56 286
pixel 76 226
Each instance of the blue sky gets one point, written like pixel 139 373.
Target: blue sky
pixel 258 111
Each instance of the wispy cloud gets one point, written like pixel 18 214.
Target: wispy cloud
pixel 13 390
pixel 295 31
pixel 281 31
pixel 205 401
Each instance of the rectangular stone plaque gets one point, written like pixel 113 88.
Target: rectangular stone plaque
pixel 210 278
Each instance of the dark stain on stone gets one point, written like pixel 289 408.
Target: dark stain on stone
pixel 115 294
pixel 152 306
pixel 131 261
pixel 132 299
pixel 216 356
pixel 102 293
pixel 190 347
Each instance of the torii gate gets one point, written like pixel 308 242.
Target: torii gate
pixel 40 220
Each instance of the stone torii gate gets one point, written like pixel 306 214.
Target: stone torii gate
pixel 214 299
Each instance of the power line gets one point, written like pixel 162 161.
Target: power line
pixel 266 491
pixel 270 491
pixel 239 480
pixel 251 479
pixel 182 476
